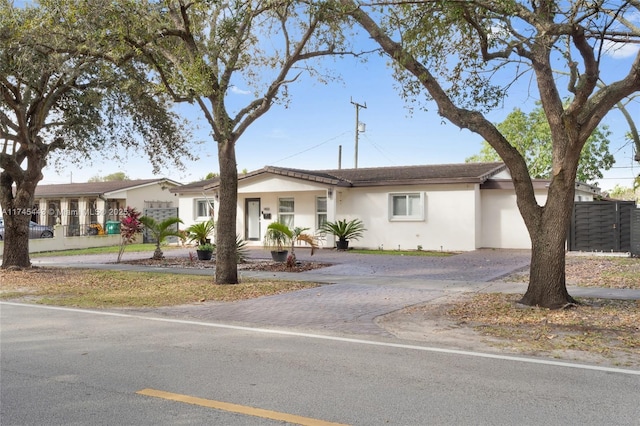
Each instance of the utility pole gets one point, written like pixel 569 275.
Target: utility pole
pixel 358 106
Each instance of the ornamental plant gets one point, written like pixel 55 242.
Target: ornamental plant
pixel 130 226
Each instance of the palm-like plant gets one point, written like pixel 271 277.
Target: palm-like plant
pixel 299 236
pixel 278 235
pixel 160 231
pixel 201 231
pixel 344 230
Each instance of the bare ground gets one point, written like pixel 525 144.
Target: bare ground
pixel 600 331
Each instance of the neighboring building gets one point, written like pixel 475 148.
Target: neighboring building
pixel 450 207
pixel 194 203
pixel 77 205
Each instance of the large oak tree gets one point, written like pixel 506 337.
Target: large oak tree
pixel 206 52
pixel 56 99
pixel 469 54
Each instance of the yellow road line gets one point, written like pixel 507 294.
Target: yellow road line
pixel 235 408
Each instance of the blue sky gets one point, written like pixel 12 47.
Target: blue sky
pixel 321 117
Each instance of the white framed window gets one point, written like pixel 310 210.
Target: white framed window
pixel 406 206
pixel 203 209
pixel 321 211
pixel 286 211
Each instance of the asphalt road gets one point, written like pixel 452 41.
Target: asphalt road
pixel 74 367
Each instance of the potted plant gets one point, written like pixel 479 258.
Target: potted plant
pixel 344 230
pixel 199 232
pixel 278 235
pixel 276 239
pixel 205 251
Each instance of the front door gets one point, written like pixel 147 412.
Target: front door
pixel 252 219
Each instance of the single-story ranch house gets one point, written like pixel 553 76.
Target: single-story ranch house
pixel 450 207
pixel 77 205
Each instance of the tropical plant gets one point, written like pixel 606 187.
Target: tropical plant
pixel 279 235
pixel 160 231
pixel 344 230
pixel 241 249
pixel 200 232
pixel 130 226
pixel 206 247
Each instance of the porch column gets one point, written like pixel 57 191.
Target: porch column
pixel 42 206
pixel 64 212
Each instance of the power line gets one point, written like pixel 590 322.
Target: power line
pixel 310 148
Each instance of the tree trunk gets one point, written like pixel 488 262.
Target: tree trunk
pixel 157 254
pixel 17 210
pixel 226 259
pixel 547 281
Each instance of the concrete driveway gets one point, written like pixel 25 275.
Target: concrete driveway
pixel 363 287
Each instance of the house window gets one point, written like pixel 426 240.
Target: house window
pixel 203 209
pixel 286 211
pixel 408 206
pixel 321 211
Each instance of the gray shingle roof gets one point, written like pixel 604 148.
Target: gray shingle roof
pixel 384 176
pixel 92 188
pixel 195 187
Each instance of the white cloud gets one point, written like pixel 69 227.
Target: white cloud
pixel 236 90
pixel 620 50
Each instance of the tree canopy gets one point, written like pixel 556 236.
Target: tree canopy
pixel 206 52
pixel 466 56
pixel 56 99
pixel 531 136
pixel 110 177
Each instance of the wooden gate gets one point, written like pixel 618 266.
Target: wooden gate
pixel 601 226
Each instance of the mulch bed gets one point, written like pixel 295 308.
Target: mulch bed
pixel 251 265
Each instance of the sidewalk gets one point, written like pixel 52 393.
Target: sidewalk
pixel 360 288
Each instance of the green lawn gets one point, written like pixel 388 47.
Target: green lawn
pixel 405 252
pixel 103 250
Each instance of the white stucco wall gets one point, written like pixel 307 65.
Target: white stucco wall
pixel 137 196
pixel 268 189
pixel 449 223
pixel 304 209
pixel 187 208
pixel 458 217
pixel 502 224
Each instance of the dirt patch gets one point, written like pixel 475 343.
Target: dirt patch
pixel 594 271
pixel 431 323
pixel 600 331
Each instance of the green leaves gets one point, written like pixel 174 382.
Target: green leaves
pixel 530 134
